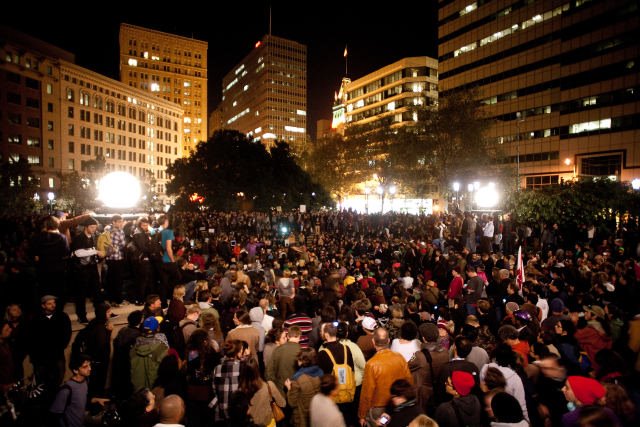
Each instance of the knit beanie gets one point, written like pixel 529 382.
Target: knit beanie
pixel 586 390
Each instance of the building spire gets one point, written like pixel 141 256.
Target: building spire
pixel 346 61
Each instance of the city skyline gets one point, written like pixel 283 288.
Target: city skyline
pixel 374 39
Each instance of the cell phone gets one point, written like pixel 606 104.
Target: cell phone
pixel 384 420
pixel 233 243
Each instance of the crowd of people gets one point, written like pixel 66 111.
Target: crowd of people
pixel 324 318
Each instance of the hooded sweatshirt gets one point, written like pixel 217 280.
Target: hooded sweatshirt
pixel 468 408
pixel 256 314
pixel 514 385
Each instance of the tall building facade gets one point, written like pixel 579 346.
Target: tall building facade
pixel 61 115
pixel 558 78
pixel 265 95
pixel 388 94
pixel 171 67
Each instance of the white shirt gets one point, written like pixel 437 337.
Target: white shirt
pixel 407 350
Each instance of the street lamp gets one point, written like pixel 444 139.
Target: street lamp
pixel 50 197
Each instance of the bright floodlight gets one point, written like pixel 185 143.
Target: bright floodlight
pixel 487 197
pixel 456 186
pixel 119 190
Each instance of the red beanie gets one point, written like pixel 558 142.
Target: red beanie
pixel 586 390
pixel 463 382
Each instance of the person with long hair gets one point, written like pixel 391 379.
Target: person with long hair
pixel 226 375
pixel 211 324
pixel 200 361
pixel 260 392
pixel 617 399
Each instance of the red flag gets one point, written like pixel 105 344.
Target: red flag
pixel 520 270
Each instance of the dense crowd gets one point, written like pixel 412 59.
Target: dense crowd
pixel 321 318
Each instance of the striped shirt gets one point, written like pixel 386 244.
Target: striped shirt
pixel 302 321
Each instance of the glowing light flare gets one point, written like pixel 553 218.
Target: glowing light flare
pixel 119 190
pixel 196 198
pixel 487 197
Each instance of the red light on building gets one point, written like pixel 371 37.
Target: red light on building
pixel 196 198
pixel 258 44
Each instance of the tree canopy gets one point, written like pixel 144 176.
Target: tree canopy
pixel 574 204
pixel 18 186
pixel 435 146
pixel 230 172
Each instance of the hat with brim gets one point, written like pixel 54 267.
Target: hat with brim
pixel 46 298
pixel 595 310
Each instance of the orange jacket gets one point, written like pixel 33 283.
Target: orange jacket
pixel 380 372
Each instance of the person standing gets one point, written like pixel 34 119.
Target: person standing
pixel 71 400
pixel 50 333
pixel 323 410
pixel 115 261
pixel 169 275
pixel 50 248
pixel 380 372
pixel 85 267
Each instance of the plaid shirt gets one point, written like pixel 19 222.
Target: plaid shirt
pixel 116 252
pixel 225 381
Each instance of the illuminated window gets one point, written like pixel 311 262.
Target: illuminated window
pixel 590 126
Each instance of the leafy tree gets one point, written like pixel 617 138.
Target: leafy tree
pixel 231 172
pixel 433 146
pixel 77 193
pixel 18 185
pixel 574 204
pixel 448 143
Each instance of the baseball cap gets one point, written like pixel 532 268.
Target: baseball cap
pixel 369 323
pixel 150 323
pixel 596 310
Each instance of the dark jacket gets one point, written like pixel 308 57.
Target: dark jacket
pixel 460 412
pixel 49 337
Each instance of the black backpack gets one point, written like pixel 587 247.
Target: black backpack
pixel 175 335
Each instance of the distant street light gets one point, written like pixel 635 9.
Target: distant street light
pixel 50 198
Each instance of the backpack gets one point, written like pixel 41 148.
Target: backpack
pixel 145 360
pixel 346 390
pixel 104 242
pixel 132 252
pixel 175 335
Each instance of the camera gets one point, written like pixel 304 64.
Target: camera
pixel 384 420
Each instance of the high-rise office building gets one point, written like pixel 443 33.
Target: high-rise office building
pixel 61 115
pixel 265 95
pixel 388 94
pixel 558 79
pixel 171 67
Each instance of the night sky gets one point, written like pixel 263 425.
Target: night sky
pixel 376 35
